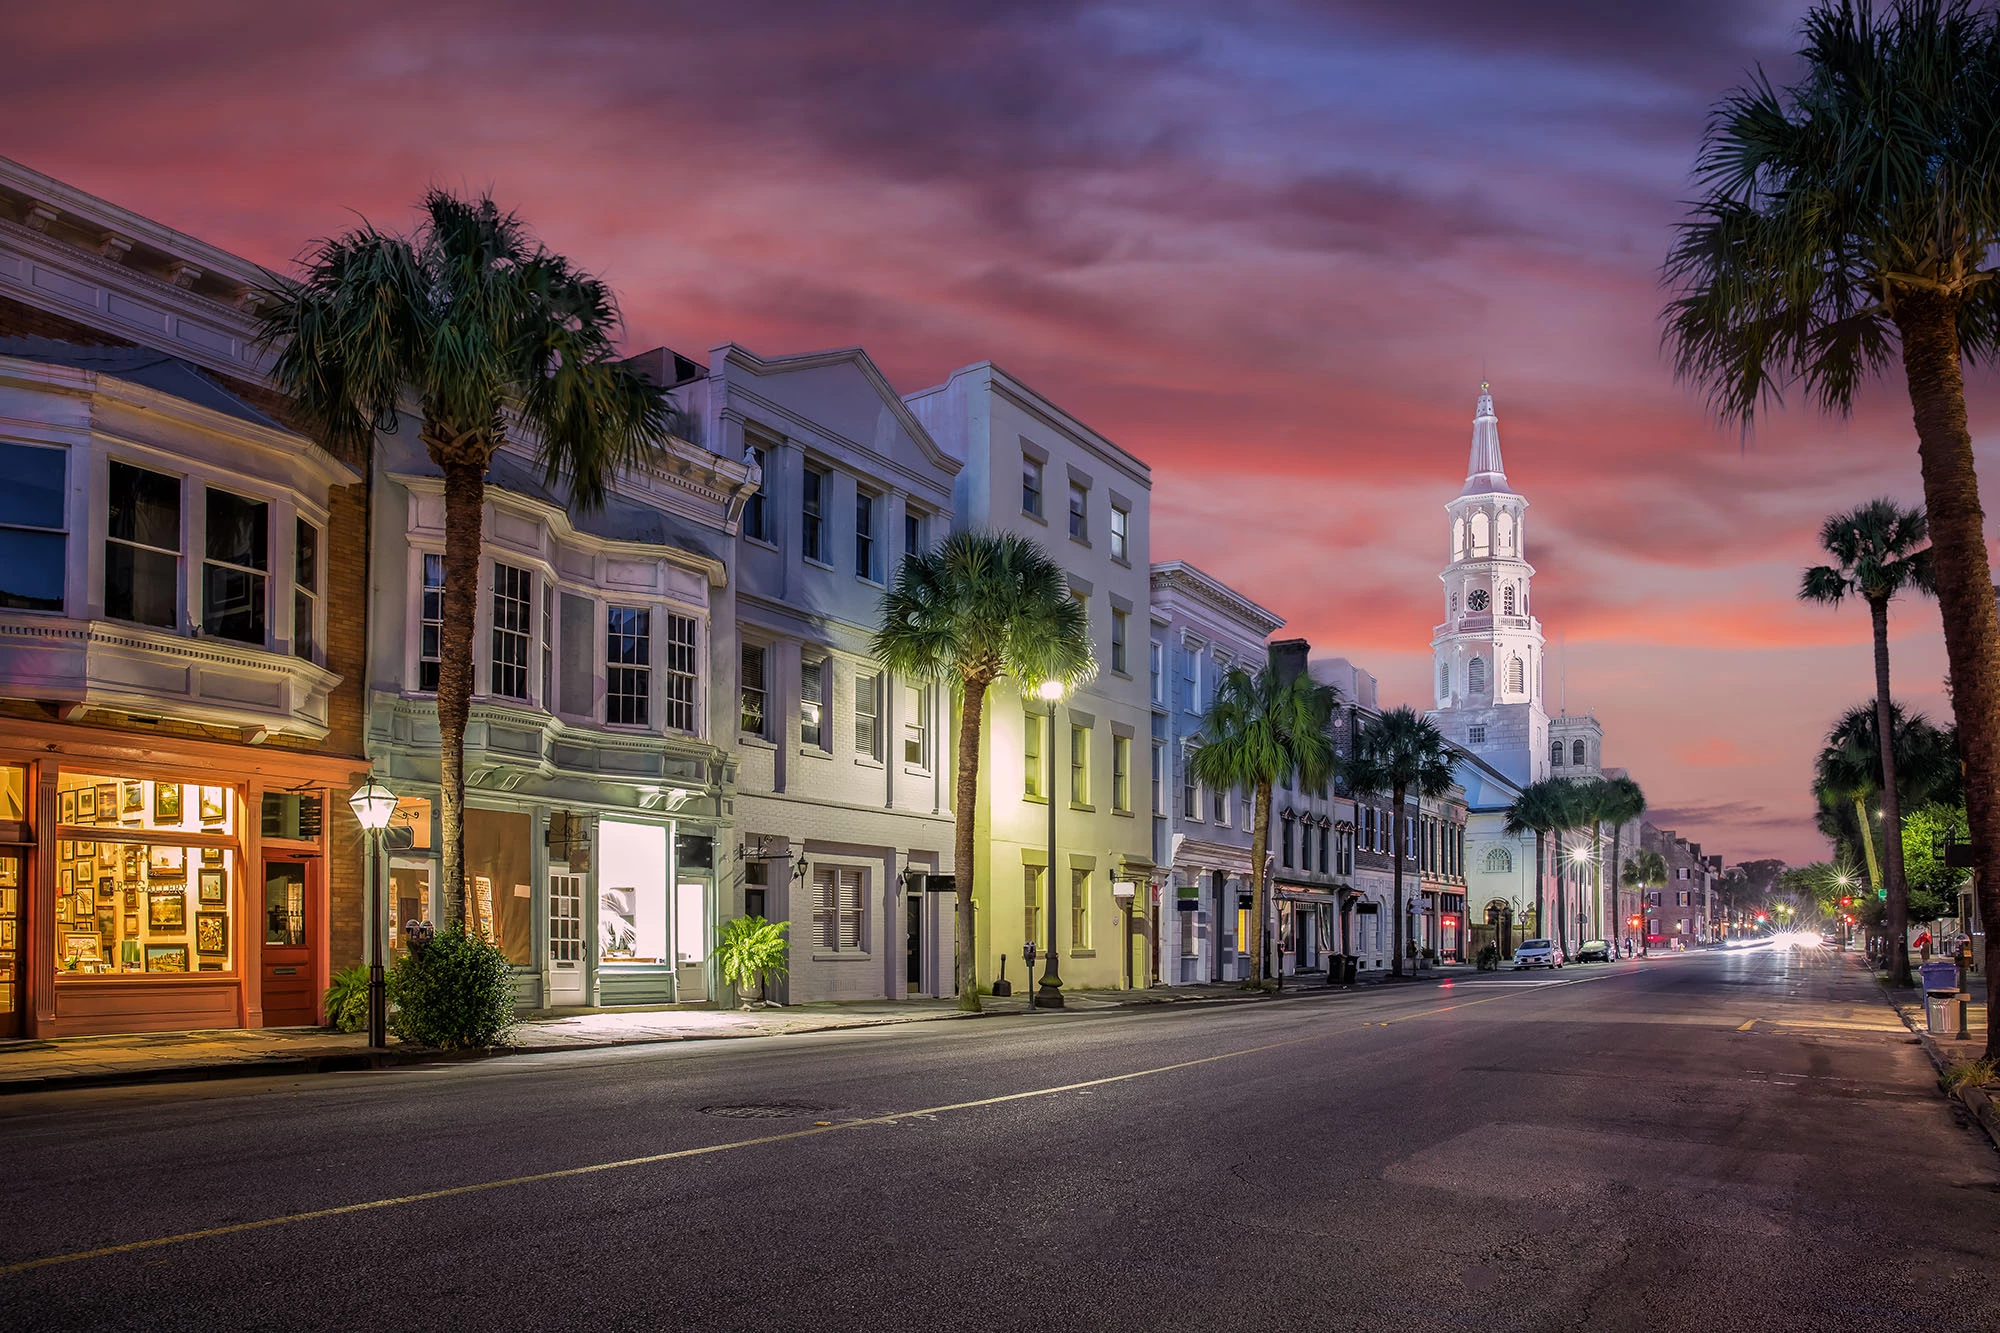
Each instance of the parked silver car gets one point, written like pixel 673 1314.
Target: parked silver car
pixel 1538 953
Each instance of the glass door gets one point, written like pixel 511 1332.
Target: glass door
pixel 565 938
pixel 12 891
pixel 291 985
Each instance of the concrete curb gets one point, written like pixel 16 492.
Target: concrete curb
pixel 1975 1100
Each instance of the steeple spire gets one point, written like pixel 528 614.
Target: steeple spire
pixel 1484 474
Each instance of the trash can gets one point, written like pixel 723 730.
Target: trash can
pixel 1349 964
pixel 1941 1011
pixel 1940 975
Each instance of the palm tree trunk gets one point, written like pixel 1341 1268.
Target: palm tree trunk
pixel 1928 323
pixel 464 499
pixel 1867 843
pixel 1260 842
pixel 1617 881
pixel 1396 864
pixel 1541 859
pixel 1597 876
pixel 964 840
pixel 1561 933
pixel 1897 956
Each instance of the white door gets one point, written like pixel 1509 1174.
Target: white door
pixel 565 939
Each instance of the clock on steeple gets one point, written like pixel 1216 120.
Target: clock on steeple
pixel 1477 601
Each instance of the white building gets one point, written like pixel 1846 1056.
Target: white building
pixel 1033 469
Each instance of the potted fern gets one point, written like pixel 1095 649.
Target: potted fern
pixel 752 949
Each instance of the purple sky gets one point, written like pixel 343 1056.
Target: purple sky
pixel 1272 249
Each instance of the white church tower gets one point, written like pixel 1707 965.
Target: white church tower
pixel 1487 655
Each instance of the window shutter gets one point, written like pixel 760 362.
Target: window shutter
pixel 579 657
pixel 867 704
pixel 850 909
pixel 825 910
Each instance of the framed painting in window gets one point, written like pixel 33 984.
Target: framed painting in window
pixel 211 856
pixel 66 808
pixel 211 932
pixel 210 806
pixel 166 863
pixel 166 958
pixel 214 886
pixel 167 910
pixel 133 808
pixel 166 802
pixel 107 802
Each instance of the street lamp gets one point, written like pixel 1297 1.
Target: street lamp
pixel 372 806
pixel 1579 857
pixel 1048 991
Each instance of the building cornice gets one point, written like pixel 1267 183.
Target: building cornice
pixel 1209 591
pixel 1055 418
pixel 723 355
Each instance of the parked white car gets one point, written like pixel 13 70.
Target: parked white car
pixel 1538 953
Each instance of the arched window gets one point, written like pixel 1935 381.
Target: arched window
pixel 1517 675
pixel 1475 677
pixel 1444 681
pixel 1478 535
pixel 1507 604
pixel 1504 533
pixel 1499 861
pixel 1576 753
pixel 1457 538
pixel 1556 754
pixel 1454 606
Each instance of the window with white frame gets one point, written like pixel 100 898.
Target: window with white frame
pixel 1031 753
pixel 756 510
pixel 305 591
pixel 513 631
pixel 1121 774
pixel 1031 902
pixel 34 534
pixel 1031 485
pixel 1285 856
pixel 628 666
pixel 1160 779
pixel 1079 909
pixel 1220 803
pixel 1409 838
pixel 1079 511
pixel 837 902
pixel 916 726
pixel 868 714
pixel 751 709
pixel 1191 801
pixel 1120 621
pixel 1155 656
pixel 913 532
pixel 681 699
pixel 812 700
pixel 1121 534
pixel 1324 839
pixel 1079 765
pixel 430 628
pixel 235 566
pixel 865 508
pixel 142 547
pixel 812 498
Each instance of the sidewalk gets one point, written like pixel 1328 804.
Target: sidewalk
pixel 172 1057
pixel 1946 1052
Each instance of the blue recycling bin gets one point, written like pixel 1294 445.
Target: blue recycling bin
pixel 1941 974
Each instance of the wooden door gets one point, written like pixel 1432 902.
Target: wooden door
pixel 13 940
pixel 288 920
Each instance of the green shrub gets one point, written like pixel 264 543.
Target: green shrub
pixel 1488 957
pixel 456 991
pixel 347 999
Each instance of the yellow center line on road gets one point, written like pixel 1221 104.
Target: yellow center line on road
pixel 1748 1024
pixel 682 1154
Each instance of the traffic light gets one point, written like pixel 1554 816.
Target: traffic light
pixel 1760 915
pixel 1847 902
pixel 1632 921
pixel 1883 894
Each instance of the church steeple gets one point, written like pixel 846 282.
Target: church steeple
pixel 1484 474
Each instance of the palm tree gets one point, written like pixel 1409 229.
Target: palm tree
pixel 1402 753
pixel 1879 550
pixel 490 337
pixel 1260 730
pixel 1617 802
pixel 1849 223
pixel 1544 808
pixel 971 610
pixel 1641 873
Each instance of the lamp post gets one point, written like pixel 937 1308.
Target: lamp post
pixel 1048 992
pixel 372 804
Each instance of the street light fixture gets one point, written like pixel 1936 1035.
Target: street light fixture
pixel 373 804
pixel 1048 991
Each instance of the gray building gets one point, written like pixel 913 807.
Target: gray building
pixel 845 771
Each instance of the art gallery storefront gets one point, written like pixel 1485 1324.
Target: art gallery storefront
pixel 160 887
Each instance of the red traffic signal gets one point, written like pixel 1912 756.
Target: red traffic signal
pixel 1847 902
pixel 1632 922
pixel 1760 915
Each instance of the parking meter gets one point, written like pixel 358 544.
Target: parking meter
pixel 1028 956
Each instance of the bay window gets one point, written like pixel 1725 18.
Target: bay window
pixel 142 547
pixel 305 591
pixel 683 676
pixel 628 666
pixel 34 542
pixel 513 630
pixel 235 567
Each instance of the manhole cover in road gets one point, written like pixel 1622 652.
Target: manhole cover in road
pixel 766 1111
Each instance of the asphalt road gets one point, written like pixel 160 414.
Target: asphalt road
pixel 1716 1142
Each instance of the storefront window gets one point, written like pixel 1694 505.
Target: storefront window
pixel 409 895
pixel 131 902
pixel 143 907
pixel 13 794
pixel 632 894
pixel 499 880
